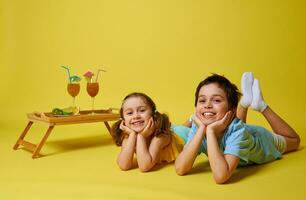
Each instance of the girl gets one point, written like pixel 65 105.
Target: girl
pixel 146 132
pixel 228 141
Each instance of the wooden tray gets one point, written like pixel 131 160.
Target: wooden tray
pixel 84 116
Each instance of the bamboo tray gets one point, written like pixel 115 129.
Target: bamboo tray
pixel 84 116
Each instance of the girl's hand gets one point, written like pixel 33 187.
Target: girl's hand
pixel 126 129
pixel 149 129
pixel 219 126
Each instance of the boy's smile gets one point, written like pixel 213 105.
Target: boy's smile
pixel 212 103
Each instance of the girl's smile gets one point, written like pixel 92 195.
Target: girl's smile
pixel 136 114
pixel 137 123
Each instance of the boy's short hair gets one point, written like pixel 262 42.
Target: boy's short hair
pixel 232 93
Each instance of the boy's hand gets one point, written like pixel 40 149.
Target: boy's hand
pixel 219 126
pixel 198 119
pixel 126 129
pixel 149 129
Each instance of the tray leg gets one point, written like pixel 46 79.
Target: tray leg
pixel 23 134
pixel 107 126
pixel 42 142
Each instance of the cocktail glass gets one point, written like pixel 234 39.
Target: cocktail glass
pixel 92 89
pixel 73 89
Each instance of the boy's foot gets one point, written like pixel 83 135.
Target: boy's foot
pixel 246 88
pixel 258 102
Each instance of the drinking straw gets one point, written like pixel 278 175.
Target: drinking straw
pixel 68 72
pixel 98 73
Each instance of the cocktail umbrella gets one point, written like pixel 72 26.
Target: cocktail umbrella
pixel 75 79
pixel 88 76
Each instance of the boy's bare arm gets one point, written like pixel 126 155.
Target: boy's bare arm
pixel 221 165
pixel 185 160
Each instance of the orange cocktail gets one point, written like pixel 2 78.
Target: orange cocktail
pixel 73 89
pixel 92 89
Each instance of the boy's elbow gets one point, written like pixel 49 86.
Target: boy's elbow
pixel 220 181
pixel 180 169
pixel 221 178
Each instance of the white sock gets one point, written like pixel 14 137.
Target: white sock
pixel 258 102
pixel 246 88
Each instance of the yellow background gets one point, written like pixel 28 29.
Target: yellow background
pixel 163 48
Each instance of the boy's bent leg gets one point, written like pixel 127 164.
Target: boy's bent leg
pixel 280 127
pixel 242 113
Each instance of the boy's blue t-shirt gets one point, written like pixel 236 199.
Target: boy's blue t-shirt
pixel 252 144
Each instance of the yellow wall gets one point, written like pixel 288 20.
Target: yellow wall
pixel 160 47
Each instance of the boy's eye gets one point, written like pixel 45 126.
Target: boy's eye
pixel 202 101
pixel 129 113
pixel 217 100
pixel 142 110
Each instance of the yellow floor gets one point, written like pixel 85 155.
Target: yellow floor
pixel 79 163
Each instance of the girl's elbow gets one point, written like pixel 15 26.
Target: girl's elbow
pixel 298 141
pixel 146 165
pixel 180 171
pixel 145 168
pixel 124 166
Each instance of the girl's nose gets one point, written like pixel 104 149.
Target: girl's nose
pixel 136 115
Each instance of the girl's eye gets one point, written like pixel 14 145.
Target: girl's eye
pixel 202 101
pixel 129 113
pixel 142 110
pixel 217 100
